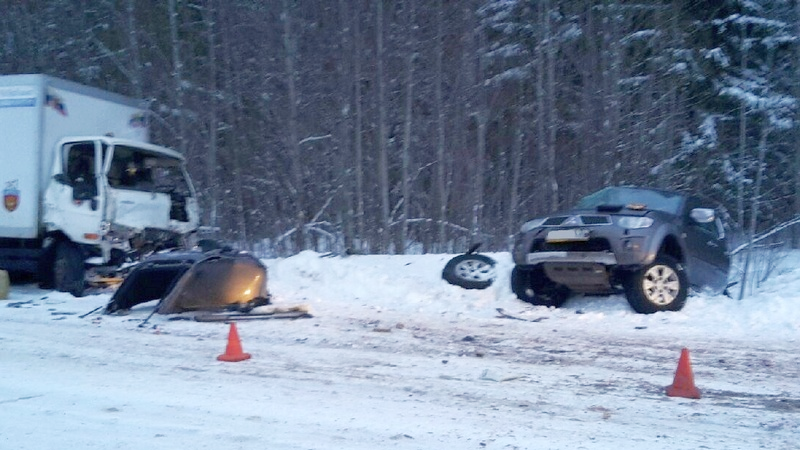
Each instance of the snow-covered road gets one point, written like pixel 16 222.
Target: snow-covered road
pixel 396 358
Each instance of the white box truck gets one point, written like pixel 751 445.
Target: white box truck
pixel 83 190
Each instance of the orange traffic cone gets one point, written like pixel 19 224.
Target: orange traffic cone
pixel 233 353
pixel 683 385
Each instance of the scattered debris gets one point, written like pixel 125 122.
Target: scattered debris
pixel 486 375
pixel 90 312
pixel 400 436
pixel 293 312
pixel 605 411
pixel 504 315
pixel 195 281
pixel 19 304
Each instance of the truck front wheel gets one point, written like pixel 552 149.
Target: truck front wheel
pixel 69 272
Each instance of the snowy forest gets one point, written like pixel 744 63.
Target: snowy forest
pixel 403 126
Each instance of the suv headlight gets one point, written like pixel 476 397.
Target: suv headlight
pixel 531 224
pixel 632 222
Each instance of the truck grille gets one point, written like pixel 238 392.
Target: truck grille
pixel 586 219
pixel 592 245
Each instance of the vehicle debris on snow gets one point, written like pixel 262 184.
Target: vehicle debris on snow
pixel 195 281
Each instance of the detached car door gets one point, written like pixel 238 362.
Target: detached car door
pixel 706 246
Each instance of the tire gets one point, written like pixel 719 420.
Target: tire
pixel 659 286
pixel 45 269
pixel 470 271
pixel 69 272
pixel 533 286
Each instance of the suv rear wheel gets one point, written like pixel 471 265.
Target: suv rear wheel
pixel 658 286
pixel 533 286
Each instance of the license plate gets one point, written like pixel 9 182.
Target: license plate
pixel 571 235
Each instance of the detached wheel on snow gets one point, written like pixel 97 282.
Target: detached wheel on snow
pixel 470 271
pixel 659 286
pixel 533 286
pixel 69 272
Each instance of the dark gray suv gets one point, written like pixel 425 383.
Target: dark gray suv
pixel 650 244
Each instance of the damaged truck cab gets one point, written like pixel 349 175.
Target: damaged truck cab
pixel 83 189
pixel 111 198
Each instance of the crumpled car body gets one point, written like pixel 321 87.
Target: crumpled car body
pixel 194 281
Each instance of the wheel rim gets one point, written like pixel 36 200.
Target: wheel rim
pixel 661 285
pixel 474 270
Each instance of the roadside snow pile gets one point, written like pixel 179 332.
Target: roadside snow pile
pixel 391 284
pixel 412 285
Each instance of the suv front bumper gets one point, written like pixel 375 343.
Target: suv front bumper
pixel 606 258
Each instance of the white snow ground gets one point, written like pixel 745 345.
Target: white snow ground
pixel 394 357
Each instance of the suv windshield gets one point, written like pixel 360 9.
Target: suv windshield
pixel 622 197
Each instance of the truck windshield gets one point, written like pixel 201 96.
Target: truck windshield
pixel 623 196
pixel 137 169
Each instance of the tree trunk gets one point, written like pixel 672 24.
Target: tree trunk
pixel 551 113
pixel 482 118
pixel 177 75
pixel 755 202
pixel 740 182
pixel 406 156
pixel 213 122
pixel 383 151
pixel 293 142
pixel 796 141
pixel 541 117
pixel 345 157
pixel 441 181
pixel 516 162
pixel 359 136
pixel 231 107
pixel 133 44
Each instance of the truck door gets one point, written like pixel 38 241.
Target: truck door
pixel 134 201
pixel 74 203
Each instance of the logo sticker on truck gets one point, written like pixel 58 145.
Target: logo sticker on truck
pixel 55 102
pixel 138 120
pixel 11 195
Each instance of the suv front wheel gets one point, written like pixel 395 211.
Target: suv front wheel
pixel 658 286
pixel 532 286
